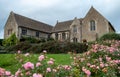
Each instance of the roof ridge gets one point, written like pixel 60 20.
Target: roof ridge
pixel 65 21
pixel 31 19
pixel 69 20
pixel 27 22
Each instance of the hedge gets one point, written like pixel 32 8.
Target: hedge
pixel 51 47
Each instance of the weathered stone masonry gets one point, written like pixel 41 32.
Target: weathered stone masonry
pixel 89 28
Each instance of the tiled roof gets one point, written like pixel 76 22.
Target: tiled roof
pixel 32 24
pixel 62 26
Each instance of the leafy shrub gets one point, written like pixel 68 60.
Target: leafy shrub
pixel 1 40
pixel 59 47
pixel 30 39
pixel 23 46
pixel 110 36
pixel 50 46
pixel 99 61
pixel 76 47
pixel 35 40
pixel 12 40
pixel 50 39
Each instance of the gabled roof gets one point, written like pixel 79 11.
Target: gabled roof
pixel 62 26
pixel 92 9
pixel 23 21
pixel 111 26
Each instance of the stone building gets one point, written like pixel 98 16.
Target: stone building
pixel 26 27
pixel 89 28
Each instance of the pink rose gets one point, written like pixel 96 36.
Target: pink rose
pixel 38 64
pixel 37 75
pixel 28 73
pixel 102 65
pixel 88 73
pixel 44 51
pixel 41 57
pixel 50 62
pixel 18 72
pixel 2 71
pixel 48 69
pixel 19 52
pixel 28 66
pixel 100 59
pixel 27 54
pixel 8 73
pixel 54 70
pixel 66 67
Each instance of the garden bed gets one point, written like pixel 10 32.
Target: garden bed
pixel 99 61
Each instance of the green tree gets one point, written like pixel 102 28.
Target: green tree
pixel 12 40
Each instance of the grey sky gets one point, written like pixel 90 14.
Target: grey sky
pixel 49 11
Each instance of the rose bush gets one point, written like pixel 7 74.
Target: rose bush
pixel 99 61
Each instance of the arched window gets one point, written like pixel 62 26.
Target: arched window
pixel 74 28
pixel 92 25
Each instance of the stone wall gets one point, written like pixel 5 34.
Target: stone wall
pixel 101 25
pixel 32 33
pixel 77 34
pixel 10 25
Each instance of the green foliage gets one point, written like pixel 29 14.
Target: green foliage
pixel 50 46
pixel 30 39
pixel 12 40
pixel 110 36
pixel 35 40
pixel 100 60
pixel 23 46
pixel 59 47
pixel 1 40
pixel 50 39
pixel 9 62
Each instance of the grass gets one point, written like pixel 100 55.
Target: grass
pixel 9 62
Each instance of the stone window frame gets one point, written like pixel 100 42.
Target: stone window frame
pixel 75 40
pixel 37 33
pixel 63 36
pixel 60 36
pixel 56 36
pixel 75 30
pixel 67 35
pixel 24 31
pixel 92 25
pixel 10 31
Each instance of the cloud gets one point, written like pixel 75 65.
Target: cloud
pixel 1 34
pixel 49 11
pixel 39 3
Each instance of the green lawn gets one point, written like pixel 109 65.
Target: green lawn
pixel 9 62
